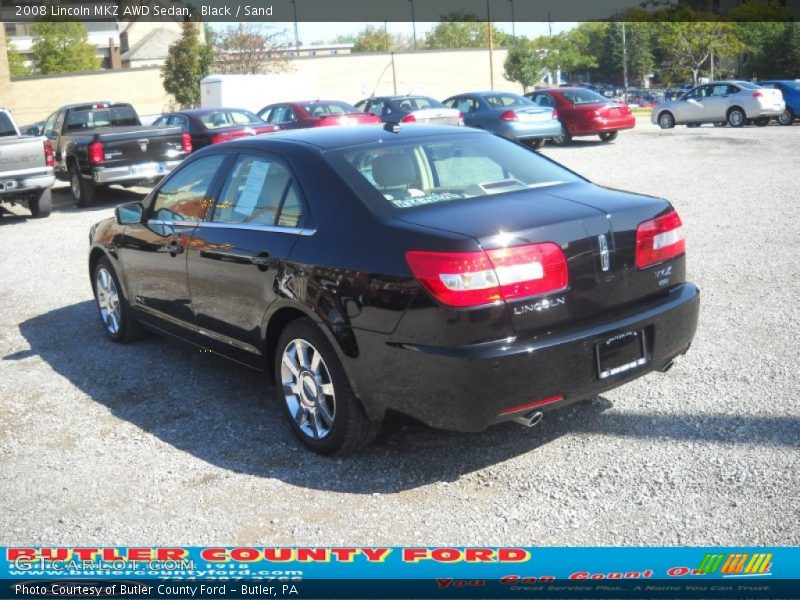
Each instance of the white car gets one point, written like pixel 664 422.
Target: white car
pixel 731 102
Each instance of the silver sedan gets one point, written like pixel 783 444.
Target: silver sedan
pixel 731 102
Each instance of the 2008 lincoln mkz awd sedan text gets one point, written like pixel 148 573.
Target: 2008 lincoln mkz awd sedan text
pixel 444 273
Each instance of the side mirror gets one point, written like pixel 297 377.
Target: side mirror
pixel 130 213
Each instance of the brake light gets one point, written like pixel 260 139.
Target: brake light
pixel 509 115
pixel 186 143
pixel 464 279
pixel 96 155
pixel 555 114
pixel 217 138
pixel 49 157
pixel 532 405
pixel 409 118
pixel 758 95
pixel 659 239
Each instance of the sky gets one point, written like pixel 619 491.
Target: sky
pixel 310 32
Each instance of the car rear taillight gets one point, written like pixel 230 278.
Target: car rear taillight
pixel 49 157
pixel 218 138
pixel 509 115
pixel 463 279
pixel 555 114
pixel 758 95
pixel 659 239
pixel 186 142
pixel 409 118
pixel 96 155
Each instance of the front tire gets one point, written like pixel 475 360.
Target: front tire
pixel 736 117
pixel 786 117
pixel 41 205
pixel 114 312
pixel 666 120
pixel 82 190
pixel 608 136
pixel 316 395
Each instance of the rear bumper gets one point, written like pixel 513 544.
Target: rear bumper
pixel 599 125
pixel 138 172
pixel 20 186
pixel 467 388
pixel 766 111
pixel 527 131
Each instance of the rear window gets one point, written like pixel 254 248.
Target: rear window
pixel 398 176
pixel 504 100
pixel 113 116
pixel 229 118
pixel 748 85
pixel 6 125
pixel 583 96
pixel 417 103
pixel 321 109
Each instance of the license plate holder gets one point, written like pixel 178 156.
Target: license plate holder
pixel 621 353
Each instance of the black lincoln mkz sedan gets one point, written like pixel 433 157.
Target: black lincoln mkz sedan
pixel 441 272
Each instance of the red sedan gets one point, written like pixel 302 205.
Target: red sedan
pixel 584 112
pixel 314 113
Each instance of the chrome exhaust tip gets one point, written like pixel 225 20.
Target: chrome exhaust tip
pixel 669 365
pixel 530 419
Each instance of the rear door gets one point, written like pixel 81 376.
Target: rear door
pixel 237 256
pixel 153 253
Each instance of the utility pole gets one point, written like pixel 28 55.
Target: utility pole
pixel 296 36
pixel 513 25
pixel 491 43
pixel 712 66
pixel 386 35
pixel 624 63
pixel 413 23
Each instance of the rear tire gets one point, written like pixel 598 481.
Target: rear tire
pixel 762 121
pixel 564 139
pixel 82 190
pixel 786 117
pixel 535 143
pixel 736 117
pixel 692 125
pixel 41 205
pixel 115 314
pixel 666 120
pixel 316 395
pixel 609 136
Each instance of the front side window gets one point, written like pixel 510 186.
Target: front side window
pixel 405 175
pixel 259 191
pixel 184 196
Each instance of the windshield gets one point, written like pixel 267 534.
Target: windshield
pixel 91 118
pixel 583 96
pixel 444 169
pixel 229 118
pixel 505 100
pixel 321 109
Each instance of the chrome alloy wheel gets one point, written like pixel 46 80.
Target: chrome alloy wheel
pixel 75 184
pixel 108 301
pixel 308 389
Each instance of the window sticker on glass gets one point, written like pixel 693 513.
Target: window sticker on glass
pixel 253 186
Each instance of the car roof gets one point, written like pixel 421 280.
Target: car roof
pixel 398 97
pixel 330 138
pixel 90 104
pixel 203 111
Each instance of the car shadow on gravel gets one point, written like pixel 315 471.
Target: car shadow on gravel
pixel 106 197
pixel 225 415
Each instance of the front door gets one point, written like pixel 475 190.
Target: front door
pixel 153 253
pixel 237 259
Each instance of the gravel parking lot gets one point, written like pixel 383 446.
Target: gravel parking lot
pixel 156 442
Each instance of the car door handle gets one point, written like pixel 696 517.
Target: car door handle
pixel 174 248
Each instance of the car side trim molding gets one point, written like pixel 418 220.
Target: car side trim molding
pixel 272 228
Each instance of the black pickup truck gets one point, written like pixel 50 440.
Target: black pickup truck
pixel 100 143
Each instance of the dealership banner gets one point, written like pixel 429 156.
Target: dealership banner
pixel 392 572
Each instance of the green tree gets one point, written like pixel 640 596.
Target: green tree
pixel 375 39
pixel 62 48
pixel 464 30
pixel 688 46
pixel 16 62
pixel 641 61
pixel 524 63
pixel 188 61
pixel 565 53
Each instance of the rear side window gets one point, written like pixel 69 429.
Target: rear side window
pixel 259 191
pixel 6 125
pixel 321 109
pixel 405 175
pixel 583 96
pixel 543 100
pixel 504 100
pixel 184 196
pixel 417 103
